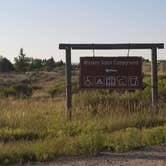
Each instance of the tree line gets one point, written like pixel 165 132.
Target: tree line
pixel 22 63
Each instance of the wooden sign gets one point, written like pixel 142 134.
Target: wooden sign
pixel 111 72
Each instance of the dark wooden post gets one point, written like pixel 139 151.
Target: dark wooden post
pixel 154 78
pixel 68 83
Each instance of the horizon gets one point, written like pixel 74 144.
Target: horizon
pixel 40 26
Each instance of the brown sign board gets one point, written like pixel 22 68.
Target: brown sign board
pixel 123 73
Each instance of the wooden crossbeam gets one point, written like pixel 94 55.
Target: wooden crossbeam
pixel 111 46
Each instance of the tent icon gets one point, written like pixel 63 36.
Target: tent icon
pixel 100 81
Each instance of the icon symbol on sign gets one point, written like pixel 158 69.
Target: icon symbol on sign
pixel 122 81
pixel 100 81
pixel 111 81
pixel 88 81
pixel 133 81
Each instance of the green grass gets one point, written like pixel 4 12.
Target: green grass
pixel 37 129
pixel 59 88
pixel 84 144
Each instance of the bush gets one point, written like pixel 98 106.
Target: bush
pixel 7 91
pixel 153 136
pixel 96 98
pixel 5 65
pixel 162 89
pixel 91 143
pixel 132 138
pixel 49 64
pixel 8 134
pixel 59 88
pixel 124 140
pixel 23 90
pixel 20 91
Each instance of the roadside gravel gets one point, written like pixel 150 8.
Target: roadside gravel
pixel 151 156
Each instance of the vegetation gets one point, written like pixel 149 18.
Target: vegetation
pixel 23 63
pixel 5 65
pixel 38 131
pixel 58 89
pixel 36 128
pixel 19 91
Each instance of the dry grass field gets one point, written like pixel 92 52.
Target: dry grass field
pixel 36 128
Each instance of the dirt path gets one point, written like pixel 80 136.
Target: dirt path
pixel 153 156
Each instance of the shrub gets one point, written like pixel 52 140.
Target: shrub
pixel 59 88
pixel 23 90
pixel 91 143
pixel 20 91
pixel 8 134
pixel 7 91
pixel 96 98
pixel 5 65
pixel 162 89
pixel 124 140
pixel 153 136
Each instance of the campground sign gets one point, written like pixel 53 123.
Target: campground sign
pixel 124 73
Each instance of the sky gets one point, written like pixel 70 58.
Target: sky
pixel 39 26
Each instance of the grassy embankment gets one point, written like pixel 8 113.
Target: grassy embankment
pixel 37 130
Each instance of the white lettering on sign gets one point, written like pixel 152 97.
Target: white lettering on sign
pixel 103 62
pixel 119 62
pixel 86 62
pixel 110 70
pixel 125 63
pixel 111 62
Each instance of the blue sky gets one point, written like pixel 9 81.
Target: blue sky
pixel 40 25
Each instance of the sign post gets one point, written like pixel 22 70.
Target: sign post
pixel 68 83
pixel 154 79
pixel 110 81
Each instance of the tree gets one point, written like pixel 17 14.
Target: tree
pixel 36 64
pixel 22 63
pixel 60 63
pixel 5 65
pixel 49 64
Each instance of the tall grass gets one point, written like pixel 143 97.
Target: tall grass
pixel 38 130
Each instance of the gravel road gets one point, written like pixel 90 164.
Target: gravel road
pixel 151 156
